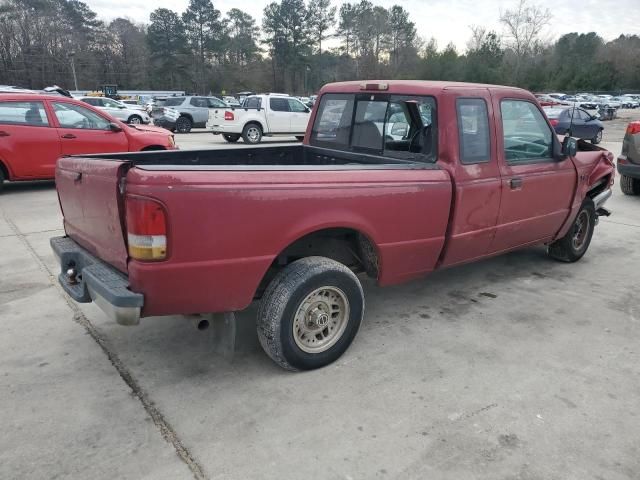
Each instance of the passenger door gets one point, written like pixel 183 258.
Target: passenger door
pixel 279 116
pixel 29 147
pixel 537 189
pixel 84 131
pixel 299 116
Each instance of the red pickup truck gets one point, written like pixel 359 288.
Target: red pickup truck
pixel 394 180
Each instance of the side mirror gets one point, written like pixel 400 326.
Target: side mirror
pixel 114 127
pixel 569 147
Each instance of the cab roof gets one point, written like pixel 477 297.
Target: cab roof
pixel 413 87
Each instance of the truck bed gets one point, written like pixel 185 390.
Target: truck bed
pixel 294 157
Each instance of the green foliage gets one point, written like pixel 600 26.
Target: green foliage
pixel 203 50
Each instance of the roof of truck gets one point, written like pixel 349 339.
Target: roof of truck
pixel 411 86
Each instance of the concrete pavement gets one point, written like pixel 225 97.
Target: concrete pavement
pixel 517 367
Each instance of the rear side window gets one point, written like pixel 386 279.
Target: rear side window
pixel 23 113
pixel 173 102
pixel 96 102
pixel 279 104
pixel 526 134
pixel 396 126
pixel 473 130
pixel 253 102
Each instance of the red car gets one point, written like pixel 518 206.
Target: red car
pixel 394 180
pixel 37 129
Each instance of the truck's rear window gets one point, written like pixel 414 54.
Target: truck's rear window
pixel 396 126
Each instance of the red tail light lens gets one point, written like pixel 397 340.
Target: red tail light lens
pixel 229 115
pixel 146 228
pixel 633 128
pixel 554 122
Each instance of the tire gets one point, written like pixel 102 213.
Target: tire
pixel 629 185
pixel 135 120
pixel 230 138
pixel 575 243
pixel 308 289
pixel 252 133
pixel 300 138
pixel 183 125
pixel 598 138
pixel 2 179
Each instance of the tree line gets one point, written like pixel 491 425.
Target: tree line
pixel 299 46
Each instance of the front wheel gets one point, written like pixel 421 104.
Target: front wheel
pixel 310 313
pixel 598 138
pixel 183 125
pixel 629 185
pixel 576 241
pixel 230 138
pixel 252 133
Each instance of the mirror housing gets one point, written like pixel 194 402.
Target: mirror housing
pixel 569 147
pixel 114 127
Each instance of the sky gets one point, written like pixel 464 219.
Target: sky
pixel 445 20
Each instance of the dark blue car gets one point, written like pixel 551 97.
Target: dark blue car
pixel 584 125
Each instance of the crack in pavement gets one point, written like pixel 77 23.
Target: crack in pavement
pixel 166 430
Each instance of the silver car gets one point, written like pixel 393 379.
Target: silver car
pixel 118 110
pixel 194 111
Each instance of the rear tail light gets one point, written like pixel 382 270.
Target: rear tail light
pixel 229 115
pixel 146 228
pixel 633 128
pixel 554 122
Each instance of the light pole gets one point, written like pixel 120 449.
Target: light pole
pixel 73 69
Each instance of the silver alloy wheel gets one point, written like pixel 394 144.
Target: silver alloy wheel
pixel 253 133
pixel 599 136
pixel 321 319
pixel 580 230
pixel 135 121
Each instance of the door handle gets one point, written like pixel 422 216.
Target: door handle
pixel 4 134
pixel 515 182
pixel 68 135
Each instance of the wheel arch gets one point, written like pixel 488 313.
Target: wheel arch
pixel 348 245
pixel 257 122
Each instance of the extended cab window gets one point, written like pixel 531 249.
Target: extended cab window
pixel 473 130
pixel 391 125
pixel 70 115
pixel 23 113
pixel 279 104
pixel 527 136
pixel 253 102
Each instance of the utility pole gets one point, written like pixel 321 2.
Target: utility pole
pixel 73 69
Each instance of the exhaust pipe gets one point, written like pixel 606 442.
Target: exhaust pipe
pixel 200 322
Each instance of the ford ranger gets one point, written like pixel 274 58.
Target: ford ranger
pixel 394 180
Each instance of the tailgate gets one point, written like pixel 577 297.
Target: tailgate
pixel 92 206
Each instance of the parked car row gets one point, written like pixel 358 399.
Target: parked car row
pixel 589 101
pixel 576 121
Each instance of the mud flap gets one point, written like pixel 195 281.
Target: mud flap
pixel 224 333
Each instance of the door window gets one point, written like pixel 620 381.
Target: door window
pixel 526 134
pixel 107 102
pixel 279 104
pixel 473 130
pixel 74 116
pixel 296 106
pixel 23 113
pixel 96 102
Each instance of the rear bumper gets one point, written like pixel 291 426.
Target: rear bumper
pixel 629 169
pixel 88 279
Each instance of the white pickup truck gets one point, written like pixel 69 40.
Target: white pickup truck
pixel 260 116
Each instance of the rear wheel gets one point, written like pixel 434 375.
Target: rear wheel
pixel 598 138
pixel 575 243
pixel 629 185
pixel 310 313
pixel 230 138
pixel 135 120
pixel 183 125
pixel 252 133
